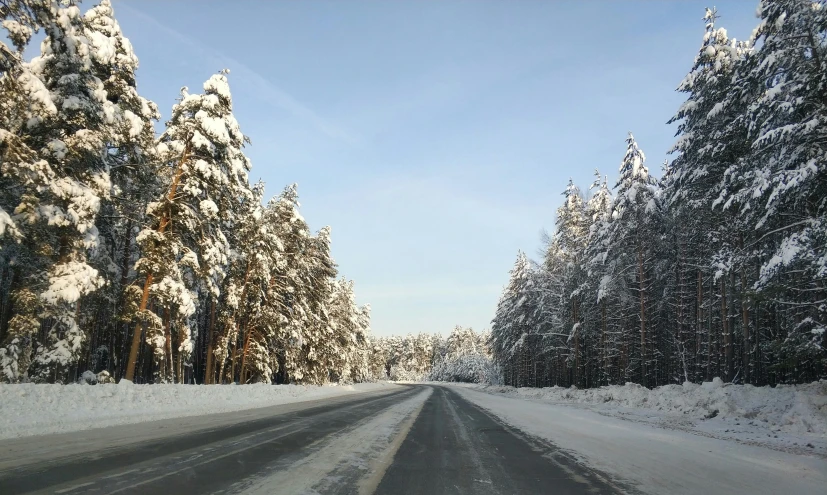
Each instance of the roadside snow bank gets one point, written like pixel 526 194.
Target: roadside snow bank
pixel 799 409
pixel 657 461
pixel 30 409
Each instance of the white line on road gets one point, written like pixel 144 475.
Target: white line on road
pixel 73 488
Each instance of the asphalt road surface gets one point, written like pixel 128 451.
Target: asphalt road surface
pixel 415 439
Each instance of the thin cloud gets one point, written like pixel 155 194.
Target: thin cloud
pixel 267 90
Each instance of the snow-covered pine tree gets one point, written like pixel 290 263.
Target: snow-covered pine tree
pixel 710 146
pixel 377 359
pixel 22 95
pixel 318 270
pixel 54 154
pixel 465 358
pixel 20 19
pixel 256 258
pixel 133 173
pixel 595 302
pixel 512 329
pixel 288 297
pixel 206 179
pixel 781 189
pixel 338 348
pixel 570 238
pixel 629 251
pixel 362 369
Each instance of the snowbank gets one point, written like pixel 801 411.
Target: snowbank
pixel 651 460
pixel 797 409
pixel 30 409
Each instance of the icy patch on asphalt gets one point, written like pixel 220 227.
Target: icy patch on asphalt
pixel 30 409
pixel 657 460
pixel 787 417
pixel 359 454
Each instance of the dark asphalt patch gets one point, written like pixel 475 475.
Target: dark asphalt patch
pixel 454 447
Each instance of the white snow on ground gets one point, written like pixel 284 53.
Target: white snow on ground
pixel 29 409
pixel 790 418
pixel 657 460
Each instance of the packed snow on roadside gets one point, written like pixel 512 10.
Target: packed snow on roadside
pixel 788 417
pixel 655 460
pixel 38 409
pixel 365 448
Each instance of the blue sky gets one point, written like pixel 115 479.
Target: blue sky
pixel 435 137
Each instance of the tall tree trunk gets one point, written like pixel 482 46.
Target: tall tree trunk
pixel 642 297
pixel 576 378
pixel 603 354
pixel 680 332
pixel 209 373
pixel 126 258
pixel 727 337
pixel 234 358
pixel 243 371
pixel 136 335
pixel 180 366
pixel 162 227
pixel 233 326
pixel 745 325
pixel 698 325
pixel 221 365
pixel 168 372
pixel 8 310
pixel 709 342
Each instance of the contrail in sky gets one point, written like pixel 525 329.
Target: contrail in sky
pixel 269 91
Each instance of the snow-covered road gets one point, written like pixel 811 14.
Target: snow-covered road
pixel 414 439
pixel 657 460
pixel 402 440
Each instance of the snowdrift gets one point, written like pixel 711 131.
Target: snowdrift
pixel 798 409
pixel 38 409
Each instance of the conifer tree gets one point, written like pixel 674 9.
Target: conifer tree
pixel 62 188
pixel 206 178
pixel 781 190
pixel 514 321
pixel 134 173
pixel 628 253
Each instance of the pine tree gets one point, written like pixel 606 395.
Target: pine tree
pixel 304 291
pixel 784 196
pixel 570 238
pixel 59 188
pixel 22 96
pixel 257 256
pixel 711 146
pixel 103 226
pixel 511 329
pixel 628 256
pixel 597 298
pixel 318 270
pixel 133 171
pixel 186 242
